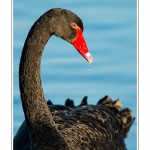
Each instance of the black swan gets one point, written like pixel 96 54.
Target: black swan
pixel 54 127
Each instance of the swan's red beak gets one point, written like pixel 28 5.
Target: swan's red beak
pixel 80 45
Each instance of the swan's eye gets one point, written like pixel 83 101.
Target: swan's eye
pixel 74 25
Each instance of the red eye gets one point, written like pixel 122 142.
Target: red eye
pixel 74 25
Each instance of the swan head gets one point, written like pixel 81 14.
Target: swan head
pixel 69 27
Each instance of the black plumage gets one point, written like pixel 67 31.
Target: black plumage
pixel 69 127
pixel 97 127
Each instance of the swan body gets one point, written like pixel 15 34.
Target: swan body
pixel 69 127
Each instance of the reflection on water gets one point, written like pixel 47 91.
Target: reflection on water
pixel 110 33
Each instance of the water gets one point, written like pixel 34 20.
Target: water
pixel 110 34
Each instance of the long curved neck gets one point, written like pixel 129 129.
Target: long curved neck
pixel 33 100
pixel 37 114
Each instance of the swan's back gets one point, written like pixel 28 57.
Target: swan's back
pixel 97 127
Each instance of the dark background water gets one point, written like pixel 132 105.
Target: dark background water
pixel 110 31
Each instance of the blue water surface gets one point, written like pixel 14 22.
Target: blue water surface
pixel 110 31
